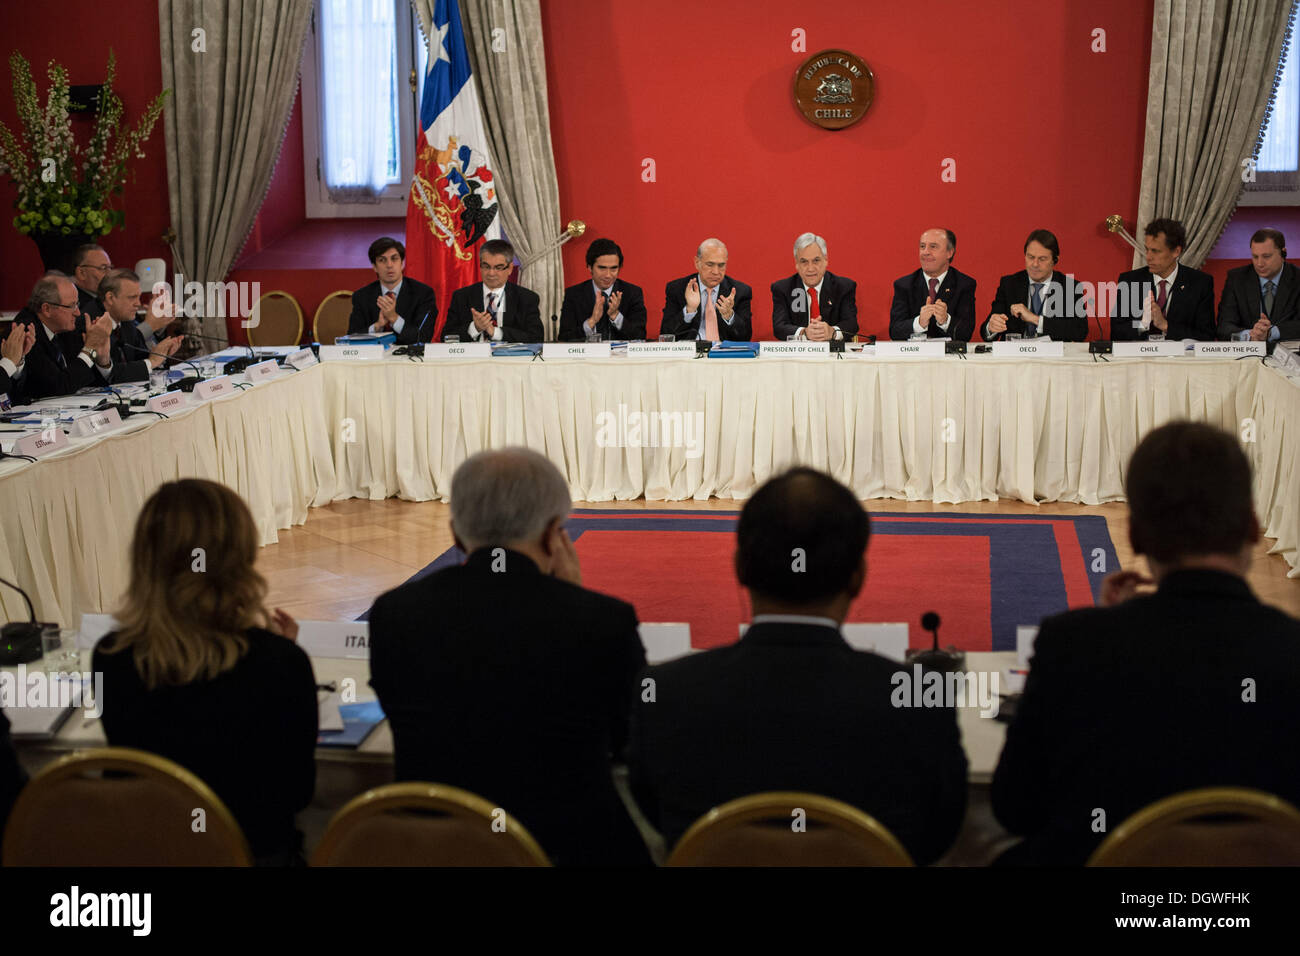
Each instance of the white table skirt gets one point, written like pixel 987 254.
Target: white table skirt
pixel 942 430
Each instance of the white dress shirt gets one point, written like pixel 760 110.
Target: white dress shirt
pixel 802 331
pixel 616 321
pixel 399 322
pixel 917 327
pixel 1155 294
pixel 500 293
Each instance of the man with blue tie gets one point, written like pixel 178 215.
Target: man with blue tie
pixel 1038 300
pixel 708 306
pixel 1261 301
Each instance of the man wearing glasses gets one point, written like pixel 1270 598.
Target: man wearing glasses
pixel 59 364
pixel 494 310
pixel 90 265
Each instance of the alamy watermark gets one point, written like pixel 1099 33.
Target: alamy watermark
pixel 637 429
pixel 920 687
pixel 37 688
pixel 210 299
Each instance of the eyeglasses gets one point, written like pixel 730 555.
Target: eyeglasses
pixel 96 268
pixel 75 307
pixel 487 268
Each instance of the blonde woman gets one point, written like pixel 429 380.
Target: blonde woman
pixel 202 673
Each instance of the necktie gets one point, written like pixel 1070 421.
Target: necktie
pixel 492 309
pixel 1036 307
pixel 59 357
pixel 934 291
pixel 1163 297
pixel 814 310
pixel 1270 290
pixel 710 317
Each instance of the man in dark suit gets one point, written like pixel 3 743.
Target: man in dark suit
pixel 792 706
pixel 393 302
pixel 1261 301
pixel 58 363
pixel 91 264
pixel 495 310
pixel 132 359
pixel 620 313
pixel 709 305
pixel 503 676
pixel 814 304
pixel 13 361
pixel 1038 300
pixel 1166 298
pixel 1196 685
pixel 936 301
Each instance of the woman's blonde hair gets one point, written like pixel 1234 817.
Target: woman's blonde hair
pixel 193 590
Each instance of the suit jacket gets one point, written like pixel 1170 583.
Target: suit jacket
pixel 1242 303
pixel 1063 321
pixel 1190 314
pixel 911 292
pixel 580 299
pixel 130 354
pixel 417 303
pixel 1129 704
pixel 514 685
pixel 523 318
pixel 91 307
pixel 688 327
pixel 837 304
pixel 12 776
pixel 793 707
pixel 44 376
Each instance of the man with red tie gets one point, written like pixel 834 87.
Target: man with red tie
pixel 936 301
pixel 393 302
pixel 494 310
pixel 1166 298
pixel 814 304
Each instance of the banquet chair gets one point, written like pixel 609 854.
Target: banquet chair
pixel 114 806
pixel 276 320
pixel 425 824
pixel 1215 826
pixel 760 830
pixel 332 315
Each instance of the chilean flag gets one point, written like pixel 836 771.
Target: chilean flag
pixel 453 203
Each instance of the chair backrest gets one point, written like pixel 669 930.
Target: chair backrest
pixel 1215 826
pixel 114 806
pixel 276 320
pixel 787 828
pixel 425 824
pixel 331 319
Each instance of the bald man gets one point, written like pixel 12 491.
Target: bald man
pixel 708 305
pixel 936 301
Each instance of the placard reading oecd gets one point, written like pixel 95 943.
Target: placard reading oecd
pixel 457 350
pixel 934 348
pixel 1148 349
pixel 794 350
pixel 352 353
pixel 1029 348
pixel 575 350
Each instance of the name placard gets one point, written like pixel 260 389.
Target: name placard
pixel 458 350
pixel 794 349
pixel 41 443
pixel 263 371
pixel 96 422
pixel 922 349
pixel 1147 349
pixel 1230 349
pixel 575 350
pixel 1028 348
pixel 352 353
pixel 166 403
pixel 661 349
pixel 214 388
pixel 348 639
pixel 301 359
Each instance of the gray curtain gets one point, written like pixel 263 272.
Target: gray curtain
pixel 225 122
pixel 517 119
pixel 1213 76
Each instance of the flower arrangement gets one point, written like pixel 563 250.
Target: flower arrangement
pixel 65 190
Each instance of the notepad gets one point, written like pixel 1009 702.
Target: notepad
pixel 358 721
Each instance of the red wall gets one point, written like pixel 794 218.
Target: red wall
pixel 1045 134
pixel 79 34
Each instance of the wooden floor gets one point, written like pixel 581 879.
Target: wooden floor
pixel 350 552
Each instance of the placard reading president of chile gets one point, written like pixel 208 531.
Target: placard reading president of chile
pixel 833 89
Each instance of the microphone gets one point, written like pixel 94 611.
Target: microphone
pixel 936 658
pixel 20 643
pixel 186 384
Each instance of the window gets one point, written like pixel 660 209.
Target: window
pixel 1277 171
pixel 360 107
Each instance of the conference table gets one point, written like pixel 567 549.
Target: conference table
pixel 950 429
